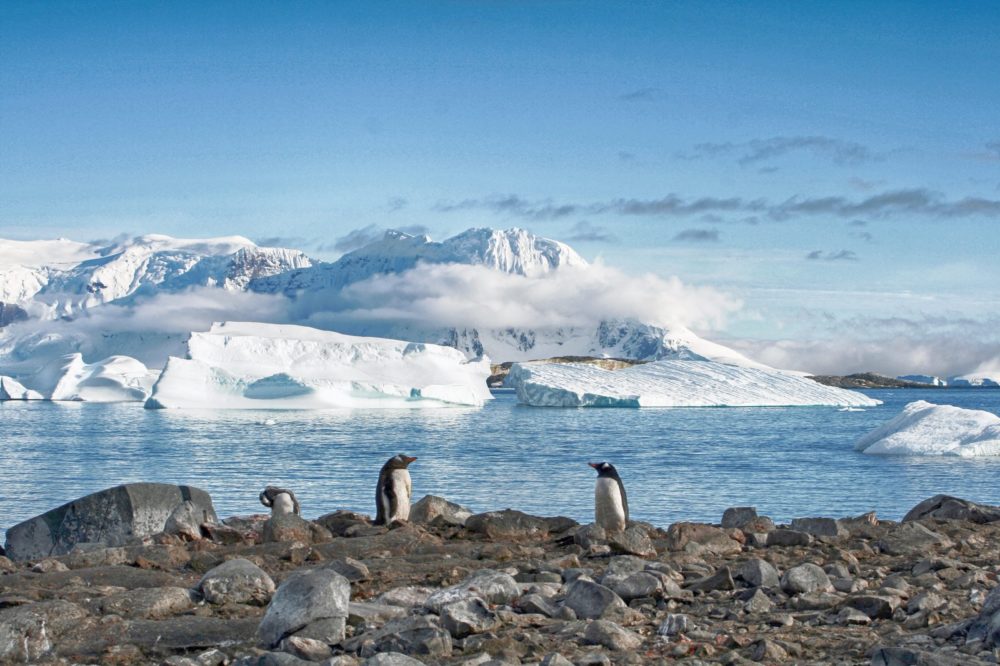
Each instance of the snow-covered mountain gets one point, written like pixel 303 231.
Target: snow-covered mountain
pixel 509 250
pixel 61 278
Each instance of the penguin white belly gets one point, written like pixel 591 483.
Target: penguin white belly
pixel 400 480
pixel 609 511
pixel 282 504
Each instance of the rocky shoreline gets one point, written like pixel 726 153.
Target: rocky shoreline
pixel 504 587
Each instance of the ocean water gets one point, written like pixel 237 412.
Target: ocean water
pixel 677 464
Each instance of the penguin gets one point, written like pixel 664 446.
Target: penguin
pixel 610 501
pixel 280 501
pixel 392 494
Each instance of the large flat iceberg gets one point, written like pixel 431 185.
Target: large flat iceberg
pixel 926 429
pixel 671 383
pixel 238 365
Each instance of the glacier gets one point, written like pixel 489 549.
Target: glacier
pixel 246 365
pixel 926 429
pixel 672 383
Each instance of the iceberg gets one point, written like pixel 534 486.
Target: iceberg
pixel 926 429
pixel 672 383
pixel 69 378
pixel 243 365
pixel 976 380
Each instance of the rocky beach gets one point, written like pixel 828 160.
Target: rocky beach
pixel 503 587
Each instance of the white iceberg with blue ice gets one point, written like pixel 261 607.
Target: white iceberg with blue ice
pixel 672 383
pixel 926 429
pixel 238 365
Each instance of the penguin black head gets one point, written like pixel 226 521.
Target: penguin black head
pixel 605 469
pixel 401 461
pixel 268 494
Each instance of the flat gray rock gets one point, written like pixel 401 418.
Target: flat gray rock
pixel 302 599
pixel 112 517
pixel 237 581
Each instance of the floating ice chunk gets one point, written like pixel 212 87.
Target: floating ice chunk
pixel 68 378
pixel 926 429
pixel 671 383
pixel 240 365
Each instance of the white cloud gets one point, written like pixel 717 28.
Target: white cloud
pixel 462 296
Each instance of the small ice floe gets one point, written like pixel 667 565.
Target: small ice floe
pixel 267 422
pixel 850 409
pixel 926 429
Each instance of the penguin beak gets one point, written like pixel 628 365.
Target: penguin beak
pixel 594 465
pixel 409 459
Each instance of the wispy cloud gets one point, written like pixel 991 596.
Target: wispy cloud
pixel 844 153
pixel 584 231
pixel 358 238
pixel 885 205
pixel 839 255
pixel 697 236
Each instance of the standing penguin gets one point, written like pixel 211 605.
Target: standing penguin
pixel 610 501
pixel 280 501
pixel 392 494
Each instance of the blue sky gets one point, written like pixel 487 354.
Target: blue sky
pixel 836 166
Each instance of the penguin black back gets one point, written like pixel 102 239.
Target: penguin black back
pixel 386 501
pixel 268 494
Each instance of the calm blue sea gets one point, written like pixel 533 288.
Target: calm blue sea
pixel 676 463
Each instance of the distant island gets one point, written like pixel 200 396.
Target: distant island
pixel 871 380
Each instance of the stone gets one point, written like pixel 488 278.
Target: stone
pixel 722 579
pixel 186 632
pixel 912 539
pixel 874 606
pixel 925 601
pixel 150 603
pixel 592 601
pixel 7 565
pixel 471 616
pixel 590 535
pixel 494 587
pixel 392 659
pixel 308 649
pixel 823 527
pixel 368 613
pixel 303 598
pixel 805 578
pixel 673 624
pixel 852 616
pixel 28 632
pixel 768 651
pixel 758 602
pixel 236 581
pixel 112 517
pixel 416 635
pixel 430 509
pixel 536 603
pixel 507 525
pixel 701 539
pixel 945 507
pixel 353 570
pixel 339 522
pixel 407 596
pixel 783 537
pixel 899 656
pixel 738 516
pixel 639 584
pixel 292 527
pixel 611 635
pixel 49 565
pixel 185 521
pixel 555 659
pixel 632 541
pixel 759 573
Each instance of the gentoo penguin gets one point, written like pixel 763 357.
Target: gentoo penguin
pixel 392 494
pixel 280 501
pixel 610 501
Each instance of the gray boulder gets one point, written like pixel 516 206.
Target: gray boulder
pixel 591 601
pixel 825 527
pixel 759 573
pixel 805 578
pixel 912 539
pixel 237 581
pixel 493 586
pixel 738 516
pixel 392 659
pixel 431 508
pixel 471 616
pixel 27 633
pixel 112 517
pixel 611 636
pixel 507 524
pixel 632 541
pixel 305 598
pixel 639 584
pixel 149 603
pixel 700 539
pixel 945 507
pixel 353 570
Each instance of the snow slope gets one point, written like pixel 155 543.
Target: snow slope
pixel 926 429
pixel 671 383
pixel 268 366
